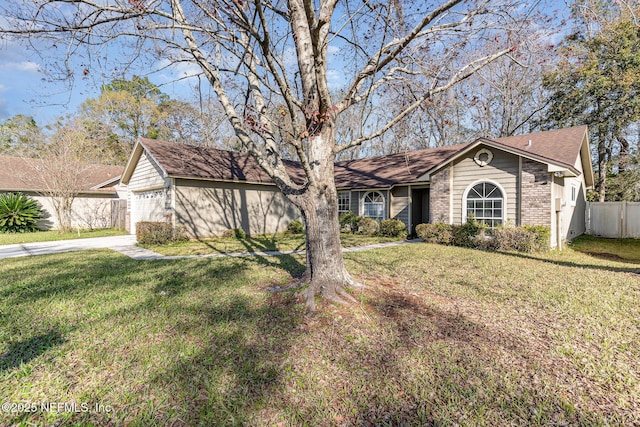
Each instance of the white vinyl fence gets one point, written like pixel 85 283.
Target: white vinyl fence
pixel 613 219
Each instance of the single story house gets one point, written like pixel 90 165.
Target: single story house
pixel 92 208
pixel 535 179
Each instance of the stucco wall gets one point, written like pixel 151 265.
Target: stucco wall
pixel 209 208
pixel 573 216
pixel 503 170
pixel 88 211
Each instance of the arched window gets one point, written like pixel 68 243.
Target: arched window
pixel 485 202
pixel 373 205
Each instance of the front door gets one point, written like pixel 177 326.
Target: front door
pixel 419 207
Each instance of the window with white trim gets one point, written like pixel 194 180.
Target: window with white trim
pixel 574 194
pixel 344 202
pixel 485 202
pixel 373 205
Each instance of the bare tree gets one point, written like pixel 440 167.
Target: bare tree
pixel 507 97
pixel 502 99
pixel 62 169
pixel 257 55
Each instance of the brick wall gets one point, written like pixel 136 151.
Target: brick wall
pixel 536 194
pixel 439 196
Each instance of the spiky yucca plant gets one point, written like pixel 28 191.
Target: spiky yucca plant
pixel 18 213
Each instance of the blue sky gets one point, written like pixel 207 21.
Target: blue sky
pixel 26 89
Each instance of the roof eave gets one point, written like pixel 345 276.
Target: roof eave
pixel 132 161
pixel 587 164
pixel 232 181
pixel 107 183
pixel 494 144
pixel 43 193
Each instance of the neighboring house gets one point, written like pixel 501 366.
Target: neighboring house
pixel 92 208
pixel 535 179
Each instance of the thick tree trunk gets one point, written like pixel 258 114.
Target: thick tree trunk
pixel 326 273
pixel 602 165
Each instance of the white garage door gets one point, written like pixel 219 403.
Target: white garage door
pixel 147 206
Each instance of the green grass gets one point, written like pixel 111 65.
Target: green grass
pixel 618 249
pixel 440 336
pixel 46 236
pixel 272 242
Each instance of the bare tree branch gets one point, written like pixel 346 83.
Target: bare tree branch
pixel 462 74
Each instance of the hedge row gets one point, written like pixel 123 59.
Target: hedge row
pixel 159 233
pixel 353 223
pixel 236 233
pixel 472 234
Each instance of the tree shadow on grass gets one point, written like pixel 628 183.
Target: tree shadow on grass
pixel 26 350
pixel 46 276
pixel 286 262
pixel 249 340
pixel 239 366
pixel 176 279
pixel 263 242
pixel 578 265
pixel 426 366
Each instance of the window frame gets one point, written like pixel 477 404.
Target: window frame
pixel 492 220
pixel 383 202
pixel 574 194
pixel 348 194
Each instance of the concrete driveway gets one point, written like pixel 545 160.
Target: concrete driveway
pixel 41 248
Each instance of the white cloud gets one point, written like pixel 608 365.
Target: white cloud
pixel 180 69
pixel 28 66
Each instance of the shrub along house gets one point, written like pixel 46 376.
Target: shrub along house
pixel 534 179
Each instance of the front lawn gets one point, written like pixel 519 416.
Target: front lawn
pixel 440 336
pixel 46 236
pixel 617 249
pixel 270 242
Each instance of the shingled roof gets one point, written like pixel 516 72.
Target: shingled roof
pixel 195 162
pixel 392 169
pixel 561 147
pixel 25 174
pixel 189 161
